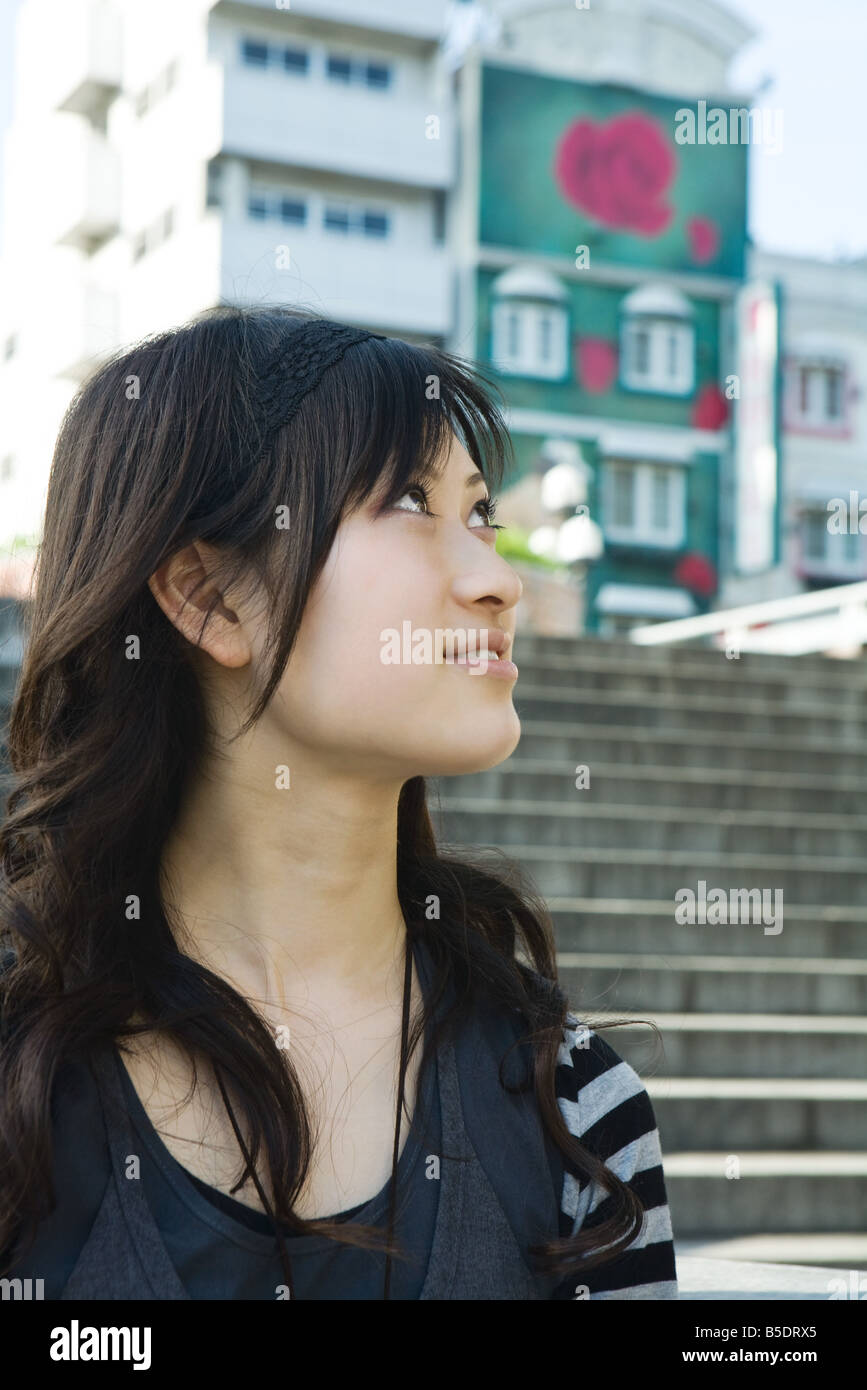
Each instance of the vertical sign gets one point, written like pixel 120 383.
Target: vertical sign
pixel 755 500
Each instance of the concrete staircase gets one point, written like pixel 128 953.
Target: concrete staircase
pixel 745 773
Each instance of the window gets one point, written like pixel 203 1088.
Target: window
pixel 375 224
pixel 815 532
pixel 817 395
pixel 254 53
pixel 153 235
pixel 292 210
pixel 657 340
pixel 640 351
pixel 257 53
pixel 545 338
pixel 622 497
pixel 214 194
pixel 277 205
pixel 378 75
pixel 154 91
pixel 530 339
pixel 439 217
pixel 296 60
pixel 337 219
pixel 338 69
pixel 10 347
pixel 661 499
pixel 658 355
pixel 825 553
pixel 343 67
pixel 7 468
pixel 673 342
pixel 644 503
pixel 363 221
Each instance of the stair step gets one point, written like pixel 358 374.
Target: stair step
pixel 679 657
pixel 586 823
pixel 604 673
pixel 707 984
pixel 674 712
pixel 836 1249
pixel 770 751
pixel 724 1193
pixel 713 788
pixel 744 1113
pixel 642 925
pixel 719 1045
pixel 563 871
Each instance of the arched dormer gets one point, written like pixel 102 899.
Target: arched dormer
pixel 657 341
pixel 530 324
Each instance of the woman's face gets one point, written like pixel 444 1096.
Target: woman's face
pixel 391 587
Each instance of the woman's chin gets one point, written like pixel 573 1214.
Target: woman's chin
pixel 475 754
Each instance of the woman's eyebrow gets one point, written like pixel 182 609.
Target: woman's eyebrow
pixel 476 477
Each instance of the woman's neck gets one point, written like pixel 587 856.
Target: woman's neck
pixel 288 892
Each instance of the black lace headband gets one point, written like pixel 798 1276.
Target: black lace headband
pixel 297 368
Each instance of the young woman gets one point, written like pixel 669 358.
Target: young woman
pixel 262 1038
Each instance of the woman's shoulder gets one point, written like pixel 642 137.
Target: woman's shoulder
pixel 606 1107
pixel 594 1083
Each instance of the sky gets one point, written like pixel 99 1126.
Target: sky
pixel 811 197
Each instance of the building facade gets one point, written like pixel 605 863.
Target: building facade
pixel 235 152
pixel 823 425
pixel 506 180
pixel 603 265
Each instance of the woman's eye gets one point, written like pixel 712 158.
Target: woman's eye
pixel 419 491
pixel 487 507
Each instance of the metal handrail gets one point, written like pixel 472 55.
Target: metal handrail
pixel 836 599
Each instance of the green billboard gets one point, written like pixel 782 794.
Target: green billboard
pixel 624 173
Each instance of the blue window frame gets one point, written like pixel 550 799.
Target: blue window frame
pixel 296 60
pixel 337 219
pixel 375 224
pixel 293 210
pixel 254 52
pixel 338 68
pixel 378 75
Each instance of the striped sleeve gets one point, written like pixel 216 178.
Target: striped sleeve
pixel 607 1108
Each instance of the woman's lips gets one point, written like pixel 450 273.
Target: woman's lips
pixel 506 670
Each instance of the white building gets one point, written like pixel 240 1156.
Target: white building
pixel 823 425
pixel 170 156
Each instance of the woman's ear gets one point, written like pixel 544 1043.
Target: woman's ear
pixel 185 587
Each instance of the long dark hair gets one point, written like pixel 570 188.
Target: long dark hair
pixel 154 452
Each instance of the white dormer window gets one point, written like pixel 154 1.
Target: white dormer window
pixel 657 341
pixel 530 324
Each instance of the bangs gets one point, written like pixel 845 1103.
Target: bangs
pixel 408 401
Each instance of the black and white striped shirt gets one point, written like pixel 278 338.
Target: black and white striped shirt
pixel 606 1107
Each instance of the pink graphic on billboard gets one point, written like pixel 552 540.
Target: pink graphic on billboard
pixel 618 173
pixel 596 361
pixel 704 239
